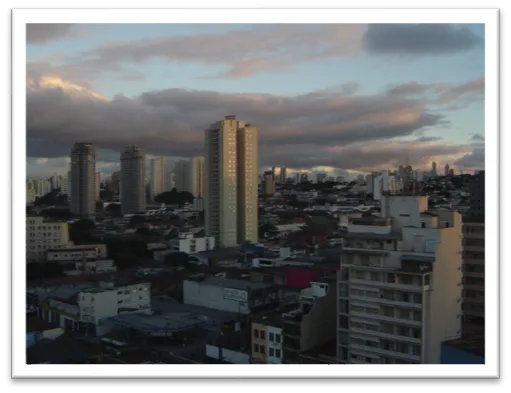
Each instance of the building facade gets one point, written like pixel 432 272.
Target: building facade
pixel 268 184
pixel 97 185
pixel 231 182
pixel 43 235
pixel 158 173
pixel 283 175
pixel 400 285
pixel 182 175
pixel 133 185
pixel 83 180
pixel 197 177
pixel 473 269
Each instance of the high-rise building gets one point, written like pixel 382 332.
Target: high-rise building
pixel 83 179
pixel 158 173
pixel 133 185
pixel 400 285
pixel 476 199
pixel 97 186
pixel 434 172
pixel 446 170
pixel 182 175
pixel 320 177
pixel 197 177
pixel 31 191
pixel 230 184
pixel 304 177
pixel 115 184
pixel 69 183
pixel 268 184
pixel 273 173
pixel 64 186
pixel 283 175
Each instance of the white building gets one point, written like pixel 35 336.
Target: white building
pixel 386 183
pixel 400 284
pixel 226 294
pixel 192 245
pixel 72 252
pixel 42 235
pixel 231 182
pixel 95 304
pixel 158 174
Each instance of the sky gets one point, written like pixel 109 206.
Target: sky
pixel 341 98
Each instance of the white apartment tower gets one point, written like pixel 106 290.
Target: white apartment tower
pixel 133 193
pixel 400 284
pixel 83 179
pixel 197 177
pixel 158 174
pixel 231 181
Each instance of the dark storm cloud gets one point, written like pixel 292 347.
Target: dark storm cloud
pixel 475 159
pixel 477 138
pixel 429 139
pixel 171 122
pixel 42 33
pixel 419 39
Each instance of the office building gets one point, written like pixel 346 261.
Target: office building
pixel 158 174
pixel 83 180
pixel 283 175
pixel 197 177
pixel 230 168
pixel 400 284
pixel 133 184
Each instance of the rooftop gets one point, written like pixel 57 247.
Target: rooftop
pixel 233 283
pixel 372 236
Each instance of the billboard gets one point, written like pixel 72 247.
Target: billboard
pixel 235 294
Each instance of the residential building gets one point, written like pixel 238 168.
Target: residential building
pixel 231 204
pixel 42 235
pixel 320 177
pixel 385 183
pixel 158 173
pixel 447 170
pixel 434 172
pixel 268 184
pixel 64 186
pixel 83 179
pixel 109 300
pixel 182 175
pixel 31 191
pixel 92 267
pixel 76 252
pixel 192 245
pixel 197 177
pixel 46 187
pixel 133 191
pixel 476 199
pixel 304 177
pixel 400 284
pixel 283 175
pixel 282 336
pixel 97 186
pixel 115 184
pixel 232 295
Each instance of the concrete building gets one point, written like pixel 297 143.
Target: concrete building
pixel 447 170
pixel 97 186
pixel 64 186
pixel 158 173
pixel 320 177
pixel 92 267
pixel 232 295
pixel 268 184
pixel 282 336
pixel 69 184
pixel 192 245
pixel 43 235
pixel 385 183
pixel 109 300
pixel 115 182
pixel 283 175
pixel 133 191
pixel 197 177
pixel 73 252
pixel 231 204
pixel 434 171
pixel 477 196
pixel 304 177
pixel 46 187
pixel 31 191
pixel 83 180
pixel 400 284
pixel 182 175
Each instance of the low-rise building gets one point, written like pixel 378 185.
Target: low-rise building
pixel 233 295
pixel 190 244
pixel 42 235
pixel 72 252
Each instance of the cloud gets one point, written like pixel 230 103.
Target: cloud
pixel 331 127
pixel 447 96
pixel 243 52
pixel 42 33
pixel 419 39
pixel 477 138
pixel 472 160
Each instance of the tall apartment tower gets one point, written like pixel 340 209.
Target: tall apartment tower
pixel 446 170
pixel 231 182
pixel 197 177
pixel 83 179
pixel 434 171
pixel 133 187
pixel 283 175
pixel 182 175
pixel 158 173
pixel 97 185
pixel 400 284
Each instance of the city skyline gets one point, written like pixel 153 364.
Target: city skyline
pixel 427 97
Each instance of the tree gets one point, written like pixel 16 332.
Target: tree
pixel 38 271
pixel 114 209
pixel 57 213
pixel 80 231
pixel 144 231
pixel 266 228
pixel 174 197
pixel 177 259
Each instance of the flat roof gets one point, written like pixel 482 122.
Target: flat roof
pixel 371 235
pixel 160 323
pixel 235 283
pixel 418 258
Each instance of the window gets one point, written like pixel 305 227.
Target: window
pixel 271 352
pixel 271 337
pixel 423 225
pixel 263 335
pixel 277 338
pixel 256 333
pixel 391 277
pixel 256 347
pixel 119 301
pixel 262 349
